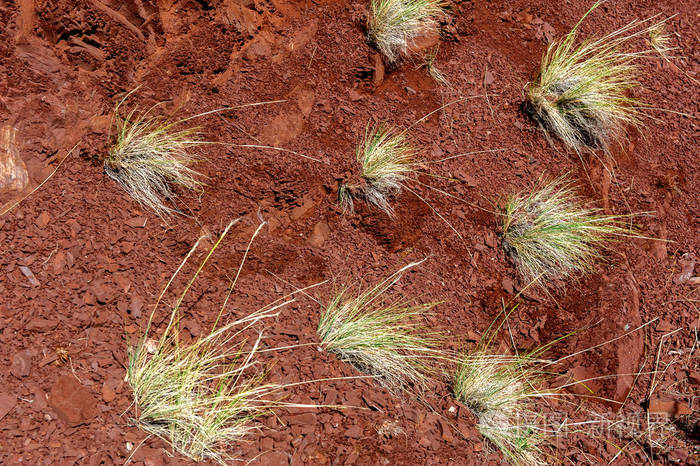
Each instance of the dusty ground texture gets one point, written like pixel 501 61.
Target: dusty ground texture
pixel 81 264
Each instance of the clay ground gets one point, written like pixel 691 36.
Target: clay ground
pixel 99 260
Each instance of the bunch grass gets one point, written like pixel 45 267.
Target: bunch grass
pixel 551 236
pixel 501 389
pixel 150 156
pixel 581 91
pixel 202 397
pixel 394 24
pixel 384 340
pixel 386 160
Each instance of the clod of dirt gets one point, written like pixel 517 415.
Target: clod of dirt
pixel 319 235
pixel 74 404
pixel 21 364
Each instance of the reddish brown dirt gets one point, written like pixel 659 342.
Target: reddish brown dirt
pixel 100 260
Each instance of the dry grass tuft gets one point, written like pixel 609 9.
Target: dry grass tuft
pixel 661 40
pixel 381 339
pixel 386 160
pixel 580 93
pixel 394 24
pixel 202 397
pixel 501 389
pixel 150 155
pixel 550 235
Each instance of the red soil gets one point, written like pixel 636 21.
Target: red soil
pixel 100 261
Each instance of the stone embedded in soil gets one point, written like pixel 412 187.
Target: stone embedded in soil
pixel 41 325
pixel 7 402
pixel 21 364
pixel 74 404
pixel 13 171
pixel 319 235
pixel 108 394
pixel 669 408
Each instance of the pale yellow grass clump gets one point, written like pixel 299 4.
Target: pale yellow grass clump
pixel 581 91
pixel 150 156
pixel 203 397
pixel 384 340
pixel 551 236
pixel 386 160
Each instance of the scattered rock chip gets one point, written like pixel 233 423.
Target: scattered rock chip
pixel 43 220
pixel 59 262
pixel 274 458
pixel 489 78
pixel 74 404
pixel 669 408
pixel 353 432
pixel 687 267
pixel 30 276
pixel 39 401
pixel 136 222
pixel 103 293
pixel 694 377
pixel 41 325
pixel 508 285
pixel 108 394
